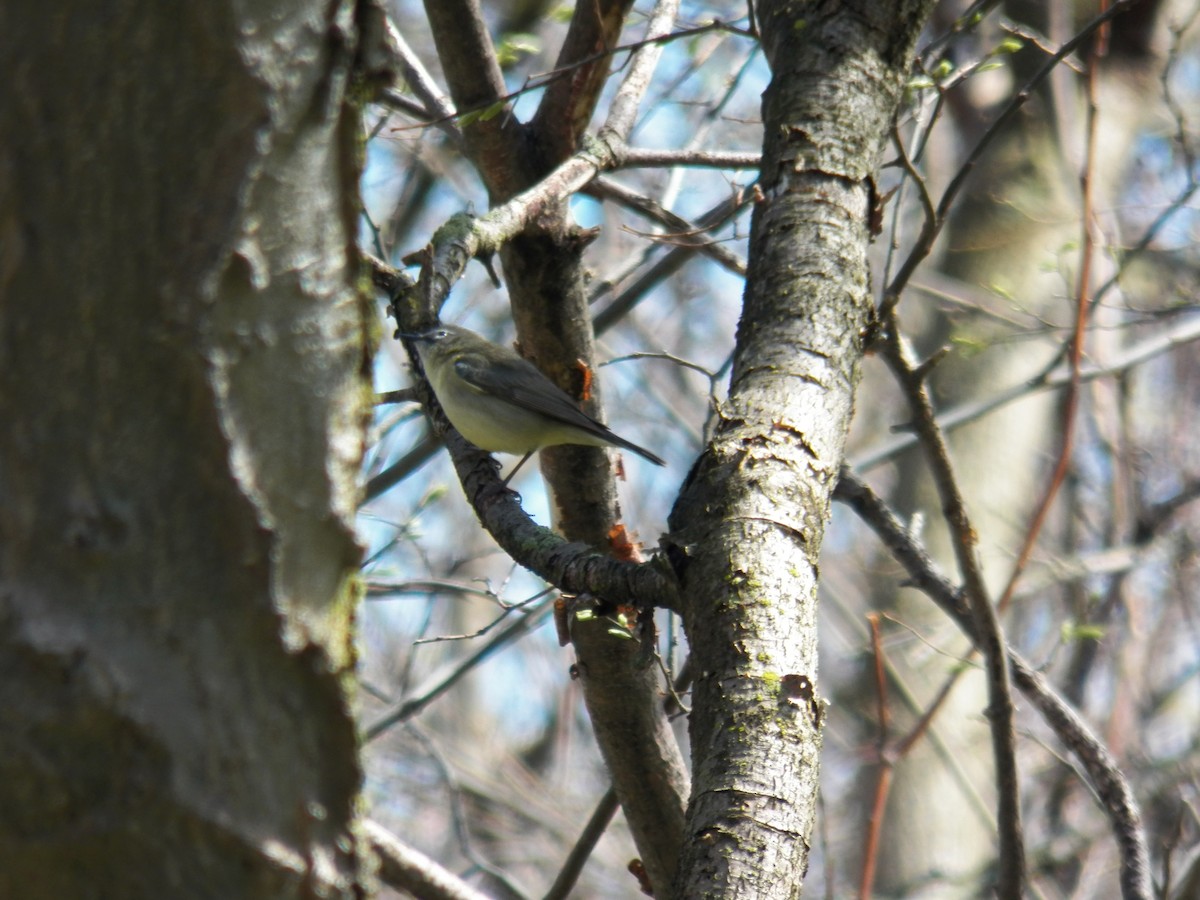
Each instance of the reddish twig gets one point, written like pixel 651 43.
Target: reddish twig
pixel 886 764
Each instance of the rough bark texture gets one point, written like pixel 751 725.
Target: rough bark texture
pixel 184 360
pixel 747 530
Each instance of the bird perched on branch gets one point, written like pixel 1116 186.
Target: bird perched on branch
pixel 500 401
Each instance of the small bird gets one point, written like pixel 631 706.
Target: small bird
pixel 500 402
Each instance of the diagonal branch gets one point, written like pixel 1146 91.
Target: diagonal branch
pixel 473 74
pixel 621 115
pixel 1182 333
pixel 564 883
pixel 988 634
pixel 569 102
pixel 407 869
pixel 435 104
pixel 684 233
pixel 1105 777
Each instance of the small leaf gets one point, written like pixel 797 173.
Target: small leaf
pixel 492 111
pixel 516 45
pixel 1073 631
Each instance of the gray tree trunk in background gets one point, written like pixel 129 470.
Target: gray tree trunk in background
pixel 183 377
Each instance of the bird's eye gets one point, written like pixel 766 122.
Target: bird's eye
pixel 440 333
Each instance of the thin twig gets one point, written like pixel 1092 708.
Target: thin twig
pixel 930 233
pixel 450 676
pixel 687 234
pixel 883 786
pixel 664 267
pixel 537 82
pixel 1049 379
pixel 578 857
pixel 458 814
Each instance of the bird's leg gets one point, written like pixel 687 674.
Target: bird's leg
pixel 517 468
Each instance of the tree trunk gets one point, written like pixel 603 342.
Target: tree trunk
pixel 748 527
pixel 183 394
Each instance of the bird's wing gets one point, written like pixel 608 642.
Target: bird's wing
pixel 519 382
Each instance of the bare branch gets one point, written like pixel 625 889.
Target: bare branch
pixel 645 157
pixel 929 233
pixel 685 233
pixel 435 105
pixel 539 82
pixel 570 100
pixel 1106 779
pixel 670 263
pixel 623 110
pixel 564 883
pixel 464 47
pixel 1182 333
pixel 1075 351
pixel 989 635
pixel 453 673
pixel 406 868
